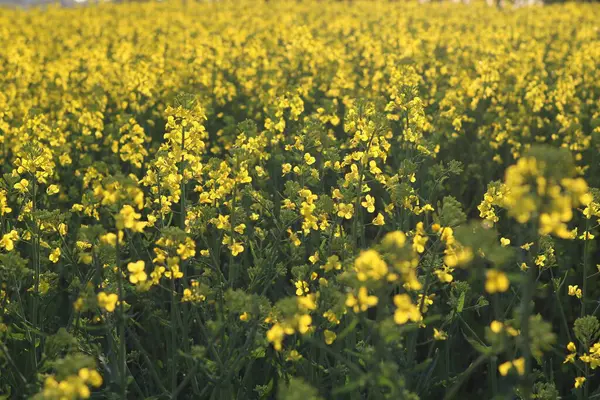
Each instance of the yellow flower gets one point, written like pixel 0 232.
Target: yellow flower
pixel 303 321
pixel 504 242
pixel 329 336
pixel 540 260
pixel 301 288
pixel 362 302
pixel 439 335
pixel 236 248
pixel 579 381
pixel 52 190
pixel 308 159
pixel 405 310
pixel 8 240
pixel 22 186
pixel 276 335
pixel 370 265
pixel 107 301
pixel 444 274
pixel 333 263
pixel 369 203
pixel 294 238
pixel 293 356
pixel 286 168
pixel 345 210
pixel 570 358
pixel 222 222
pixel 379 220
pixel 518 364
pixel 496 281
pixel 496 326
pixel 571 347
pixel 187 249
pixel 523 267
pixel 575 291
pixel 55 255
pixel 137 272
pixel 129 219
pixel 527 246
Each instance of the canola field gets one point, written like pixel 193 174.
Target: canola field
pixel 300 200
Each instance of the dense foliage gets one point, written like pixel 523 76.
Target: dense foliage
pixel 299 200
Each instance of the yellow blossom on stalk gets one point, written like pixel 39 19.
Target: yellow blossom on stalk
pixel 518 364
pixel 240 229
pixel 286 168
pixel 575 291
pixel 187 249
pixel 405 310
pixel 107 301
pixel 368 203
pixel 293 355
pixel 22 186
pixel 593 357
pixel 294 238
pixel 496 326
pixel 236 248
pixel 72 387
pixel 379 220
pixel 276 334
pixel 535 189
pixel 496 281
pixel 420 238
pixel 329 336
pixel 362 301
pixel 308 159
pixel 301 288
pixel 540 260
pixel 55 255
pixel 129 219
pixel 137 273
pixel 345 210
pixel 333 263
pixel 444 274
pixel 527 246
pixel 8 240
pixel 570 358
pixel 370 265
pixel 52 190
pixel 4 208
pixel 579 381
pixel 439 334
pixel 504 242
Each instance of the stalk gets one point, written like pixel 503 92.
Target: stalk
pixel 174 326
pixel 36 285
pixel 585 266
pixel 121 322
pixel 526 298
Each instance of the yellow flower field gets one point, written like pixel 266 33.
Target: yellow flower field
pixel 299 200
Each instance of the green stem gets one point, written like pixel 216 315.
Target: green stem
pixel 526 309
pixel 121 321
pixel 36 285
pixel 463 377
pixel 585 266
pixel 173 357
